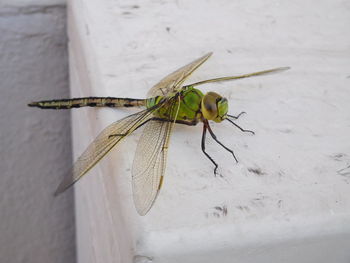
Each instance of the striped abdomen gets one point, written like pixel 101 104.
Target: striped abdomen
pixel 88 102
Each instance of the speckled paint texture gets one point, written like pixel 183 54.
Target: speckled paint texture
pixel 287 200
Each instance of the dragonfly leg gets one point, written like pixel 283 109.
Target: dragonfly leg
pixel 215 139
pixel 239 127
pixel 236 117
pixel 116 135
pixel 203 148
pixel 189 123
pixel 124 134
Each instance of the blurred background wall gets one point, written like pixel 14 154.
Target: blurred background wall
pixel 35 148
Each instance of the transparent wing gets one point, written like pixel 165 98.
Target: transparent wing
pixel 173 82
pixel 150 161
pixel 259 73
pixel 102 144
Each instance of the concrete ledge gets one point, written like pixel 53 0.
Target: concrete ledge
pixel 288 198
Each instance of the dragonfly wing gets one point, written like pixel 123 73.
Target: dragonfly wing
pixel 102 144
pixel 254 74
pixel 173 82
pixel 150 160
pixel 149 164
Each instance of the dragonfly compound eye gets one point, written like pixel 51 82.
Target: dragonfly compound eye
pixel 222 106
pixel 214 107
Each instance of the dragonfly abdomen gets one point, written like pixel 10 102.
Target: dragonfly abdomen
pixel 88 102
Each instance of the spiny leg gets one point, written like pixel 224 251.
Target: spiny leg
pixel 124 134
pixel 243 130
pixel 236 117
pixel 215 139
pixel 203 149
pixel 188 123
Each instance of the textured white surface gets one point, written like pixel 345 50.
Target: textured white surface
pixel 35 145
pixel 288 198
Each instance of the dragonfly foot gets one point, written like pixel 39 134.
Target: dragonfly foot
pixel 234 156
pixel 215 171
pixel 250 131
pixel 239 127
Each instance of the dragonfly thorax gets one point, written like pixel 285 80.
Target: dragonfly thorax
pixel 194 106
pixel 214 107
pixel 184 106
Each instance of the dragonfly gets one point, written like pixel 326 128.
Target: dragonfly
pixel 168 102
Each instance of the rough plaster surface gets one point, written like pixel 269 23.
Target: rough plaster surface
pixel 288 198
pixel 35 148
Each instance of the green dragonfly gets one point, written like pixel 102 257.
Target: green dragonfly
pixel 168 102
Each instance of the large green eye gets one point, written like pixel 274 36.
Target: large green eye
pixel 214 107
pixel 222 105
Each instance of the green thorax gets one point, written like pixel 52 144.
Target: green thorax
pixel 190 106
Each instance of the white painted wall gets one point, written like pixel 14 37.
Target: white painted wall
pixel 35 148
pixel 297 208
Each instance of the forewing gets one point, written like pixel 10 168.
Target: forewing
pixel 254 74
pixel 150 161
pixel 173 82
pixel 102 144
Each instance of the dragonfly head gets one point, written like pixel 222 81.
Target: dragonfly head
pixel 214 107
